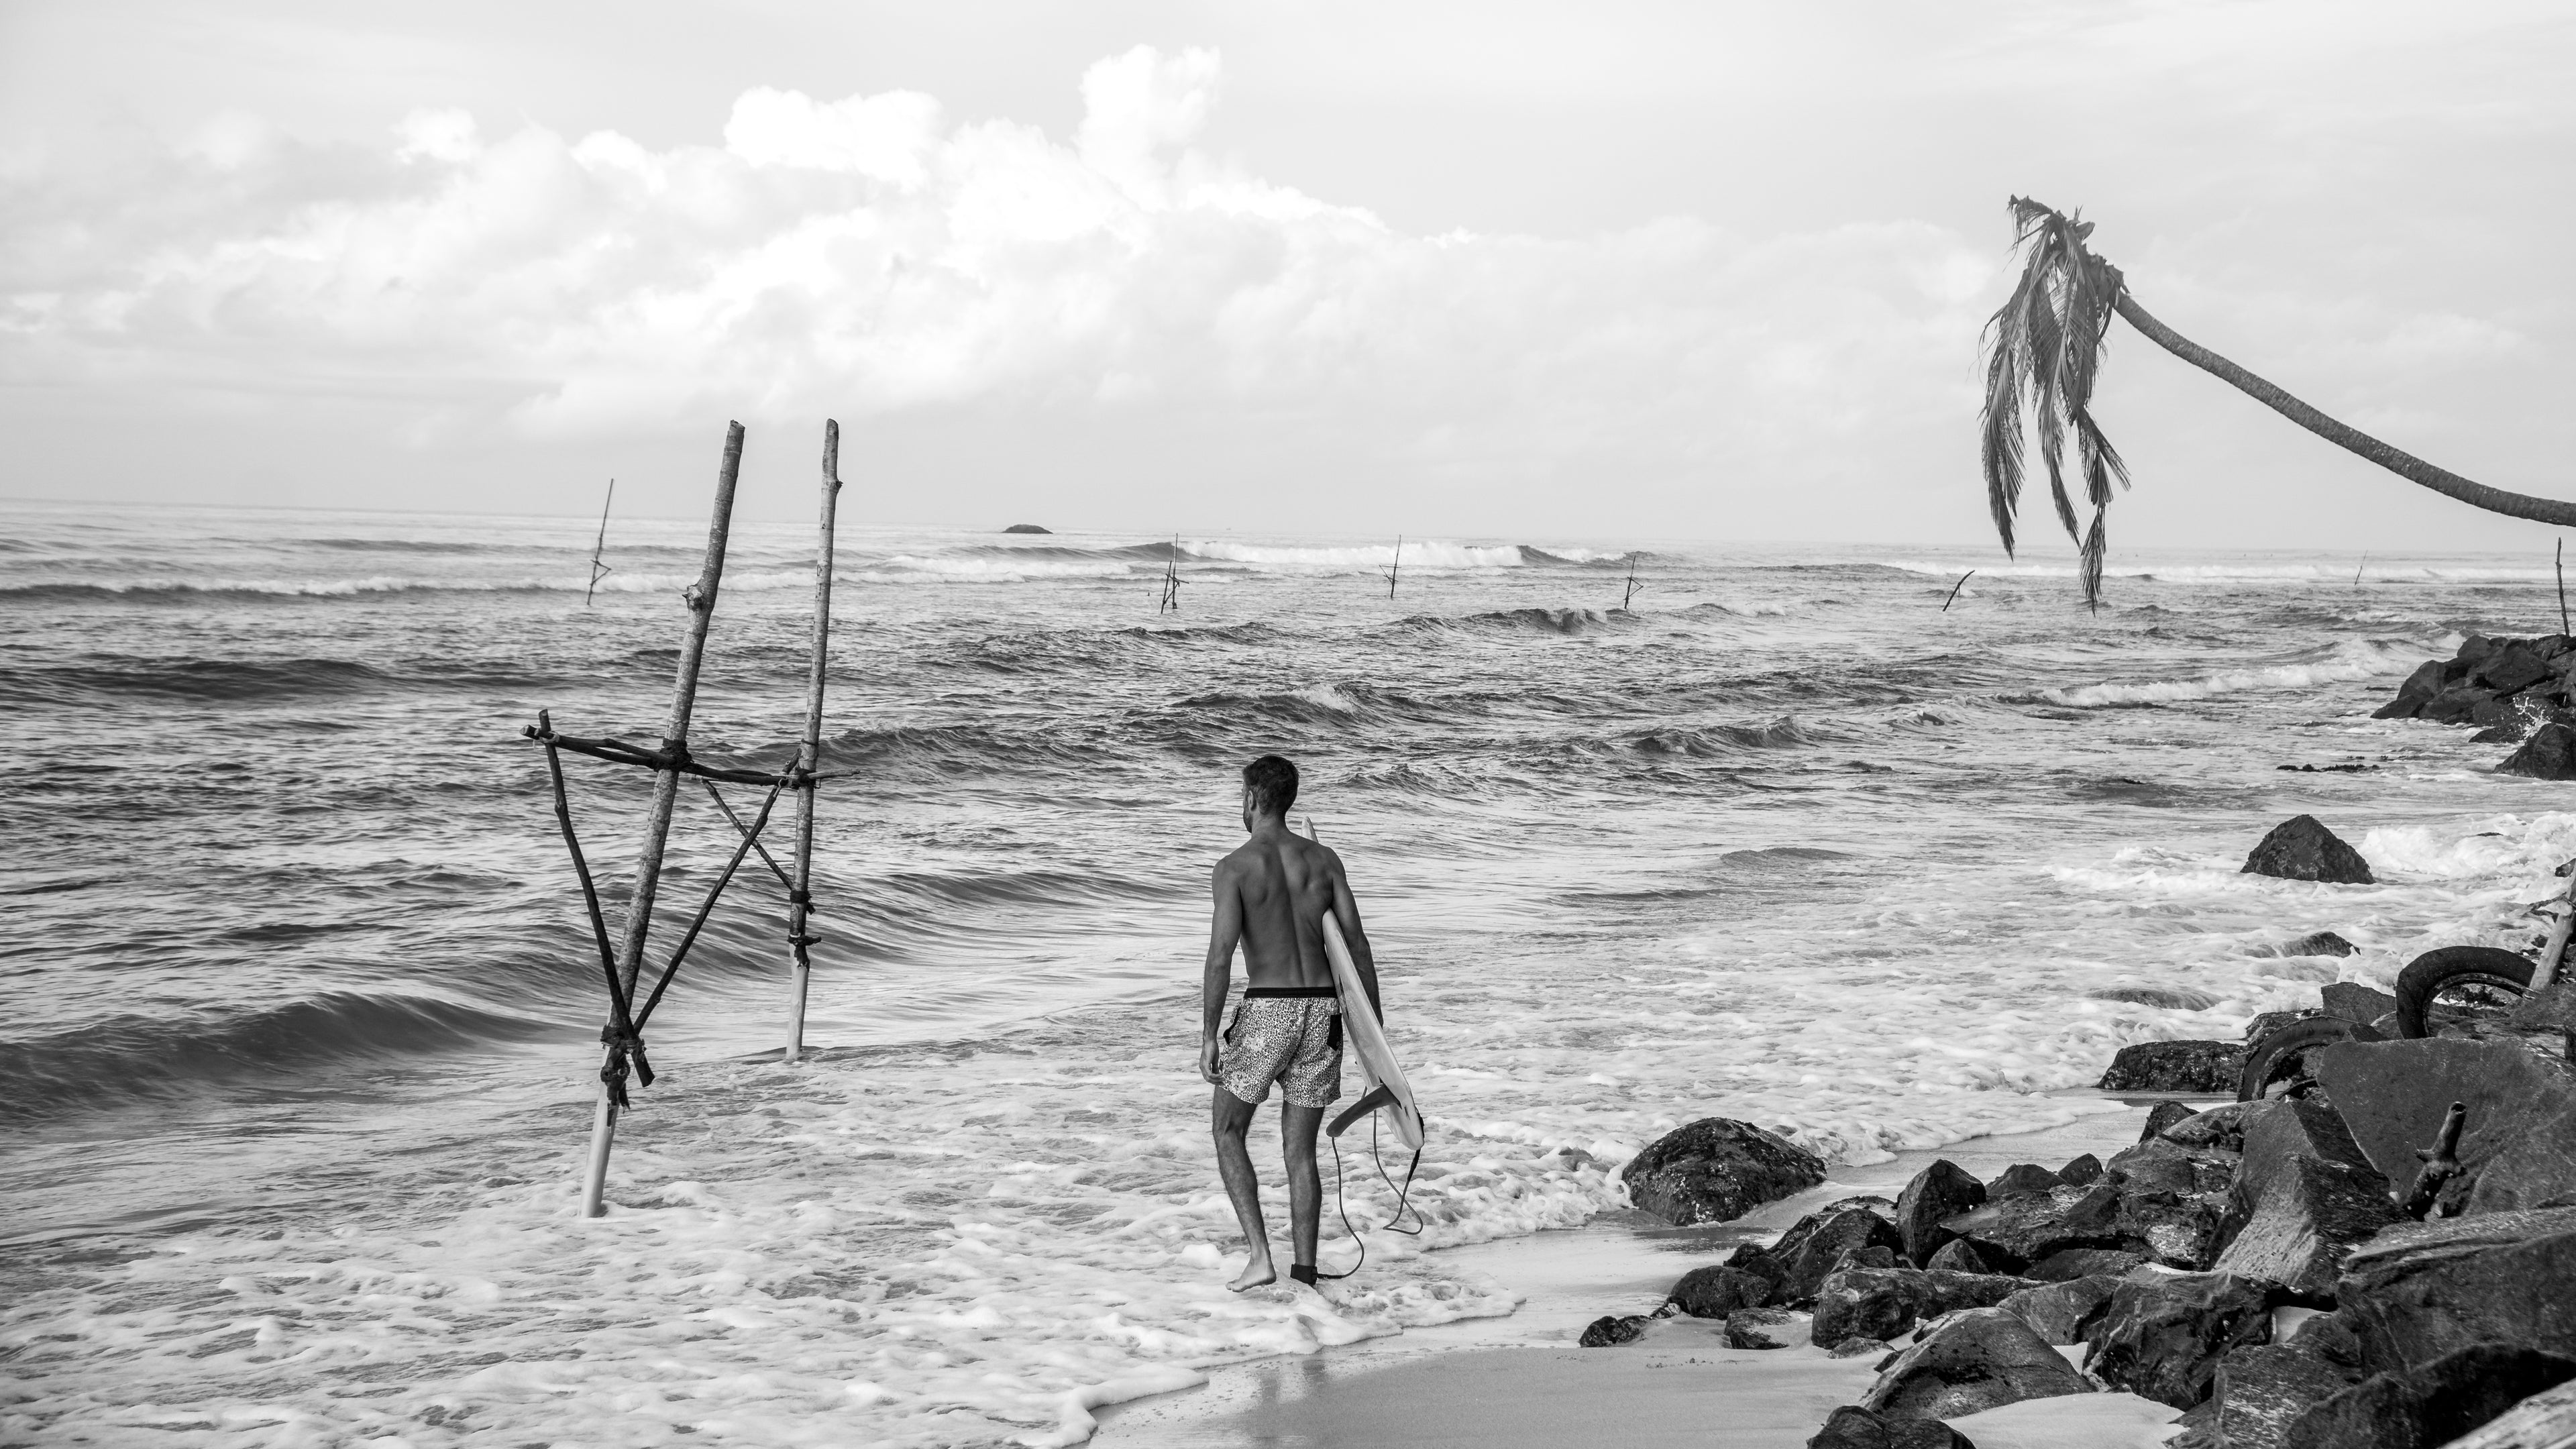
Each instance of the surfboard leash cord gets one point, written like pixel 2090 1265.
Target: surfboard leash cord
pixel 1403 1199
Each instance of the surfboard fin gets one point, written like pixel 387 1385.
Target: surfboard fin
pixel 1381 1097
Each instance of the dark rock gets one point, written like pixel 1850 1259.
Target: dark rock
pixel 1980 1359
pixel 2420 686
pixel 2502 712
pixel 2083 1170
pixel 2432 1405
pixel 2320 943
pixel 1859 1348
pixel 1765 1328
pixel 2549 754
pixel 2166 998
pixel 2507 732
pixel 1715 1170
pixel 2473 649
pixel 2221 1127
pixel 1819 1243
pixel 1884 1302
pixel 1853 1427
pixel 2069 1264
pixel 2454 704
pixel 1943 1190
pixel 2162 1336
pixel 1718 1290
pixel 2164 1165
pixel 2063 1312
pixel 1027 528
pixel 2304 1196
pixel 1610 1330
pixel 2209 1067
pixel 2301 848
pixel 2421 1290
pixel 2355 1002
pixel 2179 1230
pixel 1959 1256
pixel 2518 1148
pixel 2329 1337
pixel 2256 1394
pixel 2162 1116
pixel 2546 1420
pixel 2027 1227
pixel 2511 669
pixel 2022 1177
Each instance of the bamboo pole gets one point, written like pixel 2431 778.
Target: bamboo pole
pixel 600 570
pixel 2560 563
pixel 809 752
pixel 701 599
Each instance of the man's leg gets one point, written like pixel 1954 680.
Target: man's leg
pixel 1229 1119
pixel 1297 1129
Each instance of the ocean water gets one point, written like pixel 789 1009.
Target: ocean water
pixel 296 1068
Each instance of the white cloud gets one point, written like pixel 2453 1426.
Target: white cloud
pixel 867 255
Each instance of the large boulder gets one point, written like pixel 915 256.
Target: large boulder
pixel 2549 754
pixel 2456 703
pixel 2164 1165
pixel 2518 1144
pixel 1943 1190
pixel 2256 1394
pixel 2301 848
pixel 1959 1256
pixel 2206 1067
pixel 2320 943
pixel 1979 1359
pixel 1715 1170
pixel 2063 1313
pixel 1884 1302
pixel 2221 1127
pixel 2162 1336
pixel 2068 1264
pixel 2014 1232
pixel 2355 1002
pixel 2163 1115
pixel 2428 680
pixel 2546 1420
pixel 2431 1405
pixel 2303 1197
pixel 1718 1290
pixel 2421 1290
pixel 1853 1427
pixel 1815 1246
pixel 2512 669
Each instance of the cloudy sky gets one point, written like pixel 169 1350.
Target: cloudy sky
pixel 1619 270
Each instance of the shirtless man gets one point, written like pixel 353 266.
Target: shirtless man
pixel 1271 896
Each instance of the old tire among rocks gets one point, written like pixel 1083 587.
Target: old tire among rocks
pixel 2277 1055
pixel 2457 983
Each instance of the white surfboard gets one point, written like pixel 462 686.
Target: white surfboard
pixel 1387 1090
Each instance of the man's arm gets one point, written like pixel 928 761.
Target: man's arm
pixel 1225 930
pixel 1346 909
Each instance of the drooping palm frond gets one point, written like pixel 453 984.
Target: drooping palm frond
pixel 2044 355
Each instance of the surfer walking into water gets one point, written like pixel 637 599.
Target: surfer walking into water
pixel 1272 894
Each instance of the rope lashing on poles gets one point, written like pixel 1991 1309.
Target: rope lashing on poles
pixel 624 1035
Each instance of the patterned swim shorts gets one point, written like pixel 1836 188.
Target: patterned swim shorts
pixel 1295 1041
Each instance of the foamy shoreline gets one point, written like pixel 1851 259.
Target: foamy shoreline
pixel 1514 1380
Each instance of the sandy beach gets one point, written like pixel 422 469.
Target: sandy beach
pixel 1520 1380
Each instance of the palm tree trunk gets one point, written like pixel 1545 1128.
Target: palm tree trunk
pixel 2396 460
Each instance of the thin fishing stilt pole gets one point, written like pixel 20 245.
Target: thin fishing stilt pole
pixel 701 599
pixel 2562 588
pixel 1630 596
pixel 1397 567
pixel 600 570
pixel 1955 588
pixel 809 751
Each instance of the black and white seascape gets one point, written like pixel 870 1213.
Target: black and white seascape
pixel 1795 550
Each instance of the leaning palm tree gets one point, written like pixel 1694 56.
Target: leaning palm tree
pixel 2044 353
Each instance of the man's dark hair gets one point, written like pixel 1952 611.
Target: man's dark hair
pixel 1273 783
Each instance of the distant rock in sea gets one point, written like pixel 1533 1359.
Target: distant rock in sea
pixel 1027 528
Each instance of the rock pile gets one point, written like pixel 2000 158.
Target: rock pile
pixel 2247 1264
pixel 2512 689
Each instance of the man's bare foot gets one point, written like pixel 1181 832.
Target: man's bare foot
pixel 1255 1273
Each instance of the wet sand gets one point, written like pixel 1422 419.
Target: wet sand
pixel 1521 1381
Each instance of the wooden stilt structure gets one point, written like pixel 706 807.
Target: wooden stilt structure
pixel 600 570
pixel 1171 603
pixel 1397 567
pixel 809 750
pixel 1630 596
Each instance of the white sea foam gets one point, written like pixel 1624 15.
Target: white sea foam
pixel 2351 660
pixel 1417 553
